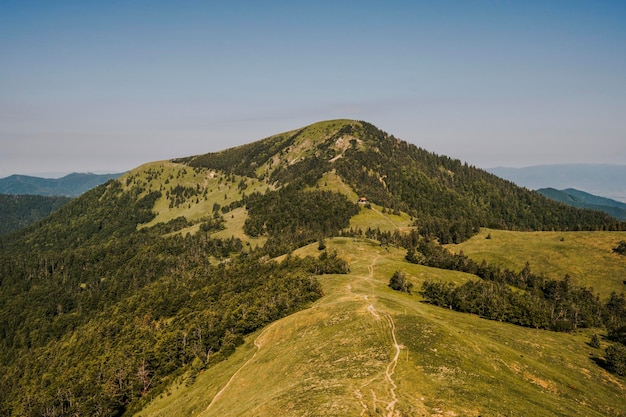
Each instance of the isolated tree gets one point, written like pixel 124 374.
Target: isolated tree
pixel 595 341
pixel 616 359
pixel 620 248
pixel 399 282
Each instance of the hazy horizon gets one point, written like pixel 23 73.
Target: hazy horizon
pixel 60 174
pixel 111 85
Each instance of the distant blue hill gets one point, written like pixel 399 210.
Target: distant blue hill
pixel 581 199
pixel 71 185
pixel 598 179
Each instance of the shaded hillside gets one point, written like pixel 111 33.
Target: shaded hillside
pixel 71 185
pixel 581 199
pixel 17 211
pixel 85 275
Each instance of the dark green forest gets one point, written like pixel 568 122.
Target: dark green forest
pixel 17 211
pixel 242 160
pixel 521 297
pixel 451 200
pixel 292 218
pixel 525 299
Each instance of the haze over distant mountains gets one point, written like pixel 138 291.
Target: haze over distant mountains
pixel 71 185
pixel 581 199
pixel 17 211
pixel 599 179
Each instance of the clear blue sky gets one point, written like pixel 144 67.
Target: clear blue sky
pixel 108 85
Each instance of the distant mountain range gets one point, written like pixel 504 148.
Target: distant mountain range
pixel 581 199
pixel 71 185
pixel 599 179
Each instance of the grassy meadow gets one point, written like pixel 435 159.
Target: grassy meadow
pixel 220 189
pixel 587 257
pixel 365 350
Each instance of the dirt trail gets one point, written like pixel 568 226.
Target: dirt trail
pixel 382 316
pixel 390 406
pixel 391 367
pixel 257 344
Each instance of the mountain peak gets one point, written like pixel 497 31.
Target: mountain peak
pixel 449 199
pixel 172 266
pixel 325 141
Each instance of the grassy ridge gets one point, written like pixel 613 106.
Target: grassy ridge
pixel 334 358
pixel 587 257
pixel 213 187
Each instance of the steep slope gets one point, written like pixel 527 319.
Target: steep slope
pixel 71 185
pixel 447 198
pixel 97 269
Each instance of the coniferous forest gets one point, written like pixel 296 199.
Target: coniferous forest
pixel 449 199
pixel 18 211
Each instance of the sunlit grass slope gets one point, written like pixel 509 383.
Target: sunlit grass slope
pixel 371 216
pixel 211 189
pixel 587 257
pixel 375 217
pixel 365 350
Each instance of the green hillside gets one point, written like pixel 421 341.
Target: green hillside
pixel 587 257
pixel 364 349
pixel 447 198
pixel 143 287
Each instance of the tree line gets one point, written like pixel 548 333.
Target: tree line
pixel 448 199
pixel 292 217
pixel 519 297
pixel 524 298
pixel 451 200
